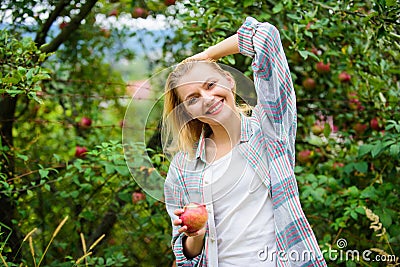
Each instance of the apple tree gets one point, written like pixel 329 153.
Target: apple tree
pixel 66 194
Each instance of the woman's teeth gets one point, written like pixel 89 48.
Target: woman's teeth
pixel 214 109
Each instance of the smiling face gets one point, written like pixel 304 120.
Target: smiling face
pixel 206 94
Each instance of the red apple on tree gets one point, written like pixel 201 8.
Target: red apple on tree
pixel 322 67
pixel 374 124
pixel 169 2
pixel 85 122
pixel 80 151
pixel 304 156
pixel 194 216
pixel 344 77
pixel 309 83
pixel 359 128
pixel 63 25
pixel 138 196
pixel 139 12
pixel 317 129
pixel 113 13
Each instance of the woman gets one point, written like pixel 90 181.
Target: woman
pixel 240 167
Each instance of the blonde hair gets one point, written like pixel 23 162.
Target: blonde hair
pixel 180 131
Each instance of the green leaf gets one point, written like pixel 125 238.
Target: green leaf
pixel 369 192
pixel 354 215
pixel 109 168
pixel 293 16
pixel 278 8
pixel 364 149
pixel 123 170
pixel 43 173
pixel 125 196
pixel 360 210
pixel 316 141
pixel 74 194
pixel 47 187
pixel 247 3
pixel 353 191
pixel 327 130
pixel 23 157
pixel 348 168
pixel 306 53
pixel 394 150
pixel 361 166
pixel 376 149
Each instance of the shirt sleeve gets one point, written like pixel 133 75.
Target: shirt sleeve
pixel 174 199
pixel 276 100
pixel 276 112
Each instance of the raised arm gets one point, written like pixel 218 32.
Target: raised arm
pixel 276 106
pixel 227 47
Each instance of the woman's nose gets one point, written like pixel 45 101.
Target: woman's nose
pixel 208 98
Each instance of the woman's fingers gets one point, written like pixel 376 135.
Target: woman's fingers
pixel 178 212
pixel 200 56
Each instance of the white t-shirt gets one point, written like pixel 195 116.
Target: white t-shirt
pixel 243 212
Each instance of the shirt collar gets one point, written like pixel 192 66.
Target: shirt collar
pixel 245 133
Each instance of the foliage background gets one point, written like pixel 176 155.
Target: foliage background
pixel 347 169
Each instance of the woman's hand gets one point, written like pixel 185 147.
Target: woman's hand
pixel 183 229
pixel 201 56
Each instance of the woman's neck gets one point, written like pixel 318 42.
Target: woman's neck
pixel 228 134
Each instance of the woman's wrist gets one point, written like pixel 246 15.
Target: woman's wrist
pixel 193 245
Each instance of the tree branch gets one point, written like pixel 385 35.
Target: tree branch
pixel 69 29
pixel 41 35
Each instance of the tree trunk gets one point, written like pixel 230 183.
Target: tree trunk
pixel 7 204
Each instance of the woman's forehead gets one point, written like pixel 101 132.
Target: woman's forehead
pixel 200 72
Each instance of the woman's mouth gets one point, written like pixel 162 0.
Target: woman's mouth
pixel 216 108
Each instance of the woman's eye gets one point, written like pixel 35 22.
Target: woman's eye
pixel 211 85
pixel 192 100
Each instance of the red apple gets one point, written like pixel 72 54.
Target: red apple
pixel 169 2
pixel 139 12
pixel 359 128
pixel 374 124
pixel 317 129
pixel 80 151
pixel 113 12
pixel 309 83
pixel 138 196
pixel 63 25
pixel 337 165
pixel 344 77
pixel 194 216
pixel 321 67
pixel 315 51
pixel 304 156
pixel 85 122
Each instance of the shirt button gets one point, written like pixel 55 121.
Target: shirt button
pixel 206 182
pixel 212 239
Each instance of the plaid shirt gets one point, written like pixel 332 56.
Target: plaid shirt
pixel 270 134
